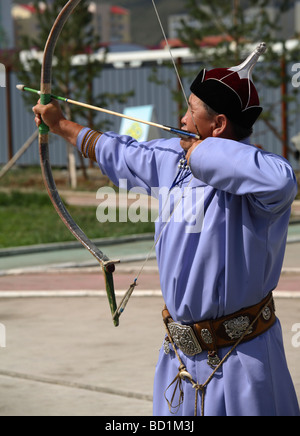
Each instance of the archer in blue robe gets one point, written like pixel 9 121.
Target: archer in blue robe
pixel 229 259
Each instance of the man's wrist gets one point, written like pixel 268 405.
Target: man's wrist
pixel 67 130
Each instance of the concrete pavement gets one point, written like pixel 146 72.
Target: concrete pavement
pixel 64 357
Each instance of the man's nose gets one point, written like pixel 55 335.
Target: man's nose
pixel 184 119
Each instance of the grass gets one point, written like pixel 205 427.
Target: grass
pixel 30 178
pixel 29 219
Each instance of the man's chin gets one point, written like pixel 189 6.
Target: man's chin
pixel 186 143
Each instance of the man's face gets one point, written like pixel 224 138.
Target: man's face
pixel 196 120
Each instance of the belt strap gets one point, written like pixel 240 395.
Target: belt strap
pixel 226 331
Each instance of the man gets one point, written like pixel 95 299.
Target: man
pixel 216 278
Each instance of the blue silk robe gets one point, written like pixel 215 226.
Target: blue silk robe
pixel 233 260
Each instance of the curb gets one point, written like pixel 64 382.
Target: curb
pixel 72 266
pixel 44 248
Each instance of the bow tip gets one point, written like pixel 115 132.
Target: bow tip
pixel 116 322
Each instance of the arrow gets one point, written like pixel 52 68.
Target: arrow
pixel 181 133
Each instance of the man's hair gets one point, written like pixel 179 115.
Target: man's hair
pixel 238 131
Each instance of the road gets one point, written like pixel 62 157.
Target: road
pixel 63 357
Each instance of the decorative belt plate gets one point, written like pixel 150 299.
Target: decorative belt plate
pixel 236 327
pixel 184 338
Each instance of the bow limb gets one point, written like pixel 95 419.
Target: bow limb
pixel 107 265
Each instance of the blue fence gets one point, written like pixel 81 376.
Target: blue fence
pixel 145 93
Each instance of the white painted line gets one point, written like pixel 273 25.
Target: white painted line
pixel 286 294
pixel 290 270
pixel 75 293
pixel 119 294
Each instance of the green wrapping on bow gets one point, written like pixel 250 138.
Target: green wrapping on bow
pixel 109 282
pixel 45 99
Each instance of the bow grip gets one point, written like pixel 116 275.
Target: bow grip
pixel 45 99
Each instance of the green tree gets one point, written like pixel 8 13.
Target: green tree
pixel 236 22
pixel 77 38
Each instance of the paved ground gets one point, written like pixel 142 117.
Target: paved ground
pixel 64 357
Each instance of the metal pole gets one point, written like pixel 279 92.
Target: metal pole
pixel 10 151
pixel 17 156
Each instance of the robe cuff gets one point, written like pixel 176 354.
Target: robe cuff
pixel 87 141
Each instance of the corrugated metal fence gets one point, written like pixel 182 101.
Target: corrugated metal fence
pixel 145 92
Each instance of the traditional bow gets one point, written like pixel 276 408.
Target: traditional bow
pixel 107 265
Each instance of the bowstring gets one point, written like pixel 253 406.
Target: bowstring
pixel 174 64
pixel 132 287
pixel 128 294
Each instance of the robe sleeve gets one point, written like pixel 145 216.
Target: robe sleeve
pixel 123 158
pixel 241 169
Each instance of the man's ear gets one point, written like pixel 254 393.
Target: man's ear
pixel 221 125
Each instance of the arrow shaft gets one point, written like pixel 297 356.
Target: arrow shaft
pixel 109 112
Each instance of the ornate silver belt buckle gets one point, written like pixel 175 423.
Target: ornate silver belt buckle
pixel 236 327
pixel 184 338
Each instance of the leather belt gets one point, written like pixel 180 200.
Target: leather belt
pixel 223 332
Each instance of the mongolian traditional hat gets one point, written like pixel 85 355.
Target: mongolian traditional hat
pixel 230 91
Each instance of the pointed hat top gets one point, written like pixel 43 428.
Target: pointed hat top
pixel 230 91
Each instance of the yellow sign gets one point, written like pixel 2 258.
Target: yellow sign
pixel 136 130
